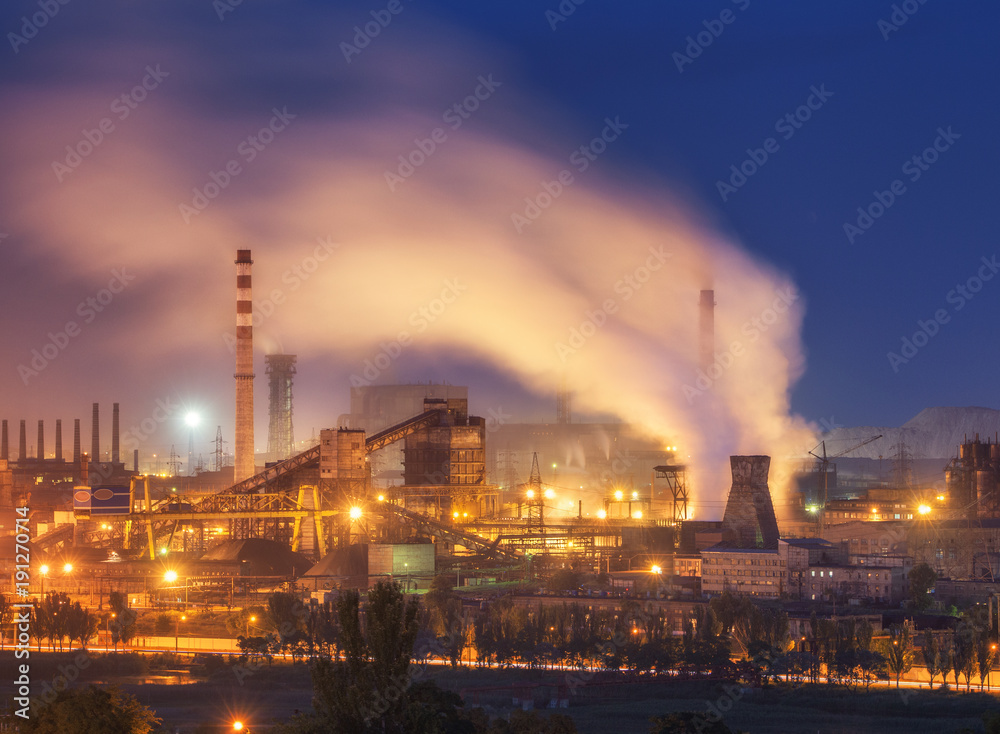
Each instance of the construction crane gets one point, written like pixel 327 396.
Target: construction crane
pixel 824 464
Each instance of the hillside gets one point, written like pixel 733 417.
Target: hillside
pixel 934 433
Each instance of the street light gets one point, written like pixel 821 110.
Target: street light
pixel 355 513
pixel 531 494
pixel 43 570
pixel 619 494
pixel 68 568
pixel 237 726
pixel 549 494
pixel 251 619
pixel 601 514
pixel 170 576
pixel 924 509
pixel 656 569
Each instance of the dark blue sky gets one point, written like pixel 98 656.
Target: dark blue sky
pixel 888 97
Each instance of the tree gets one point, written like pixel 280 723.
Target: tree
pixel 81 624
pixel 369 690
pixel 285 615
pixel 446 617
pixel 564 579
pixel 986 651
pixel 123 622
pixel 932 659
pixel 162 625
pixel 898 651
pixel 922 579
pixel 91 710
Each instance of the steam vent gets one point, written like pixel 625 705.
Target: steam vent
pixel 749 521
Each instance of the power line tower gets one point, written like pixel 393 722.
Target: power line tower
pixel 173 466
pixel 220 452
pixel 533 492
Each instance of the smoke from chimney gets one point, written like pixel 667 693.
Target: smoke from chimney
pixel 706 330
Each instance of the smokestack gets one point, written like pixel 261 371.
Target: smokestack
pixel 114 433
pixel 95 435
pixel 244 368
pixel 76 440
pixel 135 461
pixel 22 448
pixel 706 344
pixel 4 446
pixel 59 456
pixel 40 455
pixel 84 469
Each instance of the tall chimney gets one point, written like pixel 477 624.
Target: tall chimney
pixel 114 433
pixel 4 445
pixel 95 435
pixel 135 461
pixel 76 440
pixel 22 448
pixel 706 346
pixel 40 455
pixel 59 456
pixel 244 368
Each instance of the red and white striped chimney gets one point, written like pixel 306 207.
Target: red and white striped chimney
pixel 244 368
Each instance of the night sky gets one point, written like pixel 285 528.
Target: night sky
pixel 687 93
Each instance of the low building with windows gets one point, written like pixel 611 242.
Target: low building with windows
pixel 744 571
pixel 855 584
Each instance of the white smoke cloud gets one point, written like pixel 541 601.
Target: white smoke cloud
pixel 600 290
